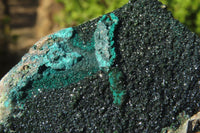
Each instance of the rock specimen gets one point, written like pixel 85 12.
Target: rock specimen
pixel 133 70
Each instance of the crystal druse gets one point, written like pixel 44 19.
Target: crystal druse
pixel 133 70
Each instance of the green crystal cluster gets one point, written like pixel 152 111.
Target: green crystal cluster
pixel 64 58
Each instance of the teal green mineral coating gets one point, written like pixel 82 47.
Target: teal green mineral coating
pixel 117 95
pixel 89 46
pixel 103 37
pixel 57 58
pixel 116 85
pixel 62 58
pixel 6 103
pixel 51 63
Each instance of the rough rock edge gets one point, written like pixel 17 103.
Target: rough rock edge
pixel 187 125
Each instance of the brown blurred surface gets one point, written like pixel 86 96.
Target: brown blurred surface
pixel 29 21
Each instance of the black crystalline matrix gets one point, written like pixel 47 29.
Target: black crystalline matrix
pixel 153 65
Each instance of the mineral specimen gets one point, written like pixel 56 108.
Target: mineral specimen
pixel 139 83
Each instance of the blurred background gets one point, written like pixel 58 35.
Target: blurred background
pixel 23 22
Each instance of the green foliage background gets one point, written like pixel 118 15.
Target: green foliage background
pixel 78 11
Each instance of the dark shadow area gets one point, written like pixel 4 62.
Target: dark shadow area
pixel 16 14
pixel 26 20
pixel 7 61
pixel 23 13
pixel 24 2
